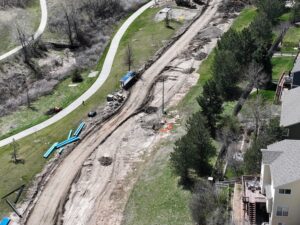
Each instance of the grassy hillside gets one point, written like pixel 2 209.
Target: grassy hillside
pixel 157 198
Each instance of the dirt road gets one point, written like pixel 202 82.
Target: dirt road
pixel 50 205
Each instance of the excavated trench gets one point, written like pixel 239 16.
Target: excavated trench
pixel 94 201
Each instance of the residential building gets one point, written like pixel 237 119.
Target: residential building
pixel 295 73
pixel 254 202
pixel 280 182
pixel 290 113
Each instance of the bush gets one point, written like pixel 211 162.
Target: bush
pixel 76 77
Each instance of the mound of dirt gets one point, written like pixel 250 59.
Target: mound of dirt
pixel 105 161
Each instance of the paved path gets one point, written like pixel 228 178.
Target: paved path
pixel 278 54
pixel 50 204
pixel 37 34
pixel 94 88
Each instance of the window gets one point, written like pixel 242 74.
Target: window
pixel 285 211
pixel 282 211
pixel 285 191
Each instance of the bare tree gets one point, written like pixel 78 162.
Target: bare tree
pixel 13 3
pixel 258 113
pixel 30 48
pixel 256 79
pixel 75 35
pixel 207 205
pixel 90 7
pixel 68 25
pixel 167 20
pixel 256 76
pixel 27 96
pixel 24 43
pixel 15 150
pixel 128 58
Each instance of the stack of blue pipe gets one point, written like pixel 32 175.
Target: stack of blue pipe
pixel 69 140
pixel 66 142
pixel 79 129
pixel 50 150
pixel 5 221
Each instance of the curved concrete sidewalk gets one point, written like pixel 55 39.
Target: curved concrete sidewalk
pixel 98 83
pixel 37 34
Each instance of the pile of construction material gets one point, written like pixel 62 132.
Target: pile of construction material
pixel 60 145
pixel 114 100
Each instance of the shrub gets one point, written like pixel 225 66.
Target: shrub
pixel 76 77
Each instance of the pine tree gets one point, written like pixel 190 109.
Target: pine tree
pixel 211 104
pixel 194 150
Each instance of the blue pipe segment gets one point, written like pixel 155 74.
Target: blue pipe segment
pixel 5 221
pixel 79 129
pixel 70 134
pixel 49 151
pixel 66 142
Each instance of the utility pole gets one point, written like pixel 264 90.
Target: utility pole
pixel 163 95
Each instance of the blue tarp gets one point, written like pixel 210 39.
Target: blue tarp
pixel 5 221
pixel 127 76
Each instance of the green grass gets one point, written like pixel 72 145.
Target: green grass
pixel 157 198
pixel 33 146
pixel 231 173
pixel 188 104
pixel 228 108
pixel 281 65
pixel 291 40
pixel 245 18
pixel 267 95
pixel 285 17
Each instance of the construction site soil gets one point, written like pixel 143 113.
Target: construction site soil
pixel 78 188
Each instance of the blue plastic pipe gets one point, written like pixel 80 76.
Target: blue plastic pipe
pixel 70 134
pixel 49 152
pixel 79 129
pixel 66 142
pixel 5 221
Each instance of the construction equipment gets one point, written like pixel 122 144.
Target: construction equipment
pixel 128 79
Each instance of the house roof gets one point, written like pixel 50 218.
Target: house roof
pixel 290 109
pixel 284 160
pixel 268 191
pixel 296 67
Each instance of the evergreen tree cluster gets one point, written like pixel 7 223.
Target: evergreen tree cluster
pixel 192 152
pixel 236 54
